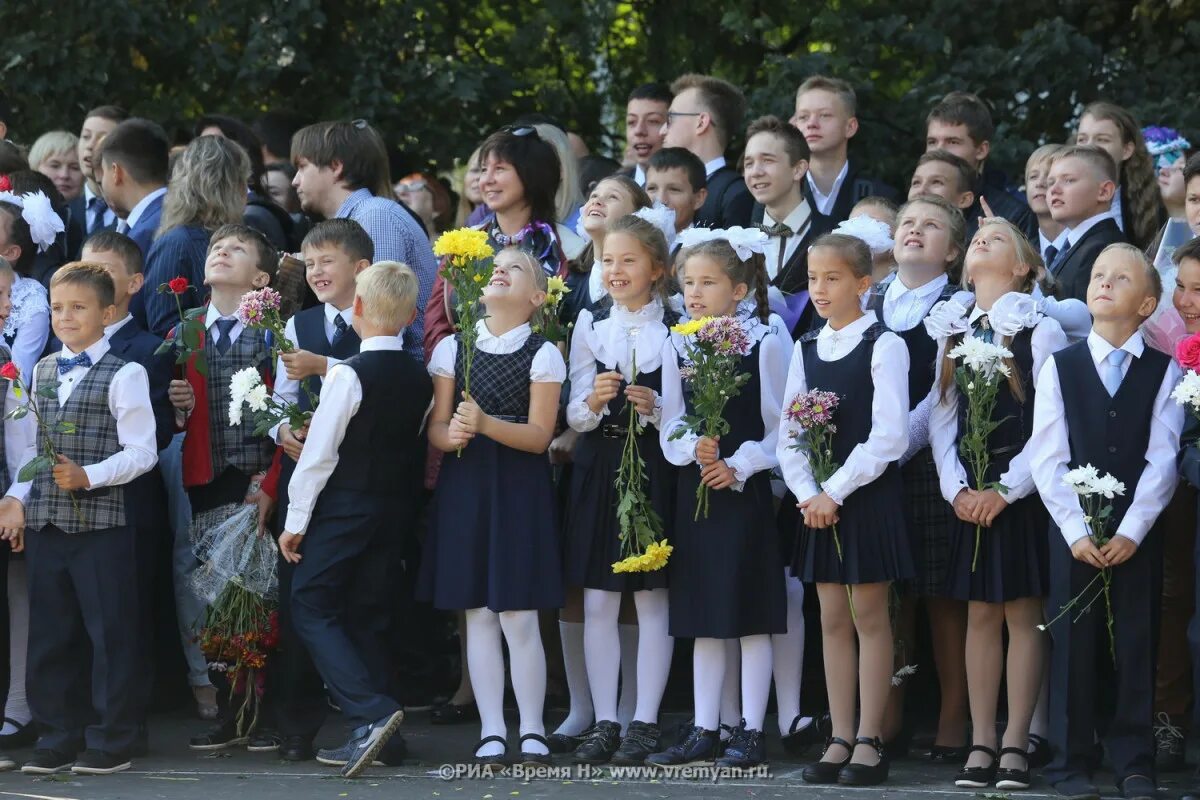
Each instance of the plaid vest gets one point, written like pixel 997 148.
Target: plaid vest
pixel 94 440
pixel 235 445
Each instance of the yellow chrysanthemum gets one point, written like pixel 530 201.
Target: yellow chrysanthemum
pixel 691 327
pixel 463 244
pixel 654 558
pixel 556 285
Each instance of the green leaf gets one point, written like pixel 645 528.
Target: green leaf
pixel 195 314
pixel 64 426
pixel 201 363
pixel 165 347
pixel 48 390
pixel 33 467
pixel 20 412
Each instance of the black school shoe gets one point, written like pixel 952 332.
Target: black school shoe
pixel 700 747
pixel 531 759
pixel 1138 787
pixel 1008 778
pixel 47 762
pixel 641 740
pixel 1077 789
pixel 746 748
pixel 1040 753
pixel 1169 744
pixel 799 738
pixel 454 714
pixel 263 742
pixel 300 748
pixel 98 762
pixel 560 743
pixel 978 777
pixel 866 774
pixel 599 744
pixel 219 737
pixel 827 771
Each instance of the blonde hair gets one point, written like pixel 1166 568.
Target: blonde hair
pixel 569 195
pixel 7 271
pixel 1134 252
pixel 49 144
pixel 955 222
pixel 388 290
pixel 540 279
pixel 1044 153
pixel 655 243
pixel 465 206
pixel 208 185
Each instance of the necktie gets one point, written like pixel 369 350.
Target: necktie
pixel 783 233
pixel 65 365
pixel 97 208
pixel 984 330
pixel 339 329
pixel 1059 258
pixel 1050 254
pixel 1112 371
pixel 225 327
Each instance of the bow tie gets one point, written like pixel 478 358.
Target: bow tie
pixel 65 365
pixel 778 229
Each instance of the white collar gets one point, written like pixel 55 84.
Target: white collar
pixel 1100 346
pixel 794 220
pixel 651 312
pixel 116 326
pixel 639 175
pixel 96 351
pixel 332 313
pixel 837 182
pixel 88 194
pixel 714 165
pixel 212 315
pixel 856 328
pixel 896 288
pixel 375 343
pixel 519 333
pixel 1077 233
pixel 142 205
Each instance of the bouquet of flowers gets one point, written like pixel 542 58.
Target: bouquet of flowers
pixel 237 577
pixel 642 547
pixel 261 309
pixel 246 388
pixel 1094 490
pixel 546 321
pixel 49 455
pixel 466 265
pixel 188 338
pixel 978 376
pixel 715 346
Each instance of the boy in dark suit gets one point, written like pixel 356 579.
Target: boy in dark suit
pixel 703 116
pixel 645 112
pixel 1082 182
pixel 90 211
pixel 1106 402
pixel 83 586
pixel 343 503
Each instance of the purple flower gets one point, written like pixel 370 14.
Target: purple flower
pixel 725 335
pixel 253 308
pixel 812 409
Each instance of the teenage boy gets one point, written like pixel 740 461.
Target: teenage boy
pixel 223 464
pixel 675 178
pixel 774 165
pixel 344 506
pixel 337 166
pixel 90 212
pixel 334 251
pixel 645 114
pixel 135 163
pixel 1106 402
pixel 1083 181
pixel 942 173
pixel 703 116
pixel 1191 198
pixel 962 124
pixel 83 583
pixel 825 115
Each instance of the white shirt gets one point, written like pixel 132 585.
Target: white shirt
pixel 1116 211
pixel 140 208
pixel 714 165
pixel 1076 233
pixel 341 396
pixel 613 342
pixel 1059 243
pixel 596 290
pixel 110 216
pixel 639 176
pixel 905 308
pixel 129 403
pixel 19 434
pixel 889 414
pixel 774 353
pixel 798 221
pixel 28 323
pixel 1052 450
pixel 547 367
pixel 289 390
pixel 824 202
pixel 1048 338
pixel 210 319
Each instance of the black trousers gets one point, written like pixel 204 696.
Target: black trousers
pixel 83 592
pixel 341 603
pixel 1090 696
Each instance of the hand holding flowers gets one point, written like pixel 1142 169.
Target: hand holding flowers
pixel 187 339
pixel 246 388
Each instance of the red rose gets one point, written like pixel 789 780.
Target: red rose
pixel 10 372
pixel 177 285
pixel 1187 352
pixel 5 184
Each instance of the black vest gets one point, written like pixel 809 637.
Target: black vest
pixel 743 411
pixel 850 379
pixel 1110 433
pixel 922 348
pixel 500 382
pixel 310 336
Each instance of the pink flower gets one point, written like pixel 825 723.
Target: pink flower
pixel 813 408
pixel 1187 352
pixel 726 336
pixel 253 308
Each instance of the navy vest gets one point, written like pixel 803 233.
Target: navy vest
pixel 310 336
pixel 922 348
pixel 742 411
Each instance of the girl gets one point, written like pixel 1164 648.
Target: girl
pixel 613 198
pixel 494 549
pixel 725 575
pixel 1009 580
pixel 866 365
pixel 929 244
pixel 605 347
pixel 1037 170
pixel 1137 206
pixel 27 328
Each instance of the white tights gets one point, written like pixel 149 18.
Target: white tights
pixel 708 666
pixel 485 657
pixel 604 651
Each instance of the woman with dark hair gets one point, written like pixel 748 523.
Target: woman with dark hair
pixel 429 199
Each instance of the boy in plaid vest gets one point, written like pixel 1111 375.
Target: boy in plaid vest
pixel 224 465
pixel 96 418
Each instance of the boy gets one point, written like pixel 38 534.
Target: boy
pixel 704 114
pixel 1081 187
pixel 942 173
pixel 343 507
pixel 83 587
pixel 962 124
pixel 1106 401
pixel 645 115
pixel 675 178
pixel 89 212
pixel 825 115
pixel 774 166
pixel 335 251
pixel 224 465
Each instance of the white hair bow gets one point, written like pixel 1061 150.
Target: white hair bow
pixel 44 222
pixel 744 241
pixel 661 217
pixel 876 234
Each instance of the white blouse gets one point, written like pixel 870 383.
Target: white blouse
pixel 614 342
pixel 1048 338
pixel 888 438
pixel 29 323
pixel 547 367
pixel 774 352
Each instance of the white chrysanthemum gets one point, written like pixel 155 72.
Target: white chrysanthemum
pixel 1082 480
pixel 982 357
pixel 1108 486
pixel 242 382
pixel 235 412
pixel 1187 392
pixel 257 398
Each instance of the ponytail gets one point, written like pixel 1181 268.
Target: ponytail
pixel 761 281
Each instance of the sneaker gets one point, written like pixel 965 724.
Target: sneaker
pixel 599 743
pixel 47 762
pixel 745 748
pixel 640 741
pixel 1169 744
pixel 1138 787
pixel 368 746
pixel 7 763
pixel 219 737
pixel 392 755
pixel 263 742
pixel 700 747
pixel 98 762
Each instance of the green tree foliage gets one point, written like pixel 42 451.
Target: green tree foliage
pixel 437 76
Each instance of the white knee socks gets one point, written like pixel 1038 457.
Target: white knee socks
pixel 708 674
pixel 485 658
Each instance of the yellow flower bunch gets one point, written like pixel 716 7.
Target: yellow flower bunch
pixel 654 558
pixel 691 327
pixel 556 289
pixel 463 245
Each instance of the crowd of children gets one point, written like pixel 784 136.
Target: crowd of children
pixel 918 390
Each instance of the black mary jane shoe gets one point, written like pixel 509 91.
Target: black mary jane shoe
pixel 978 777
pixel 827 771
pixel 535 759
pixel 453 714
pixel 1039 751
pixel 949 755
pixel 1007 778
pixel 866 774
pixel 498 760
pixel 798 739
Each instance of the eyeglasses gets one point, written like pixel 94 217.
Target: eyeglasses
pixel 411 187
pixel 671 115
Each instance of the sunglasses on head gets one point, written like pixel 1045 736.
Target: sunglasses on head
pixel 411 186
pixel 521 130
